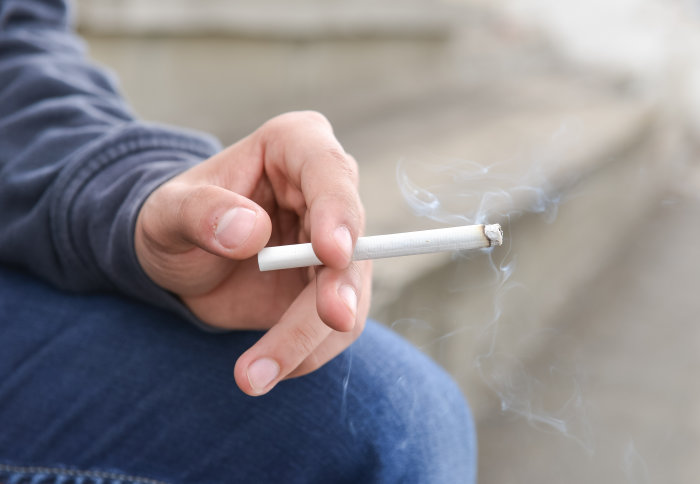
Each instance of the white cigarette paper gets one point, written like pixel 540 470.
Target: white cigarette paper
pixel 389 245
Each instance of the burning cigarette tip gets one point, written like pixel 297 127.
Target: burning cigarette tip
pixel 494 233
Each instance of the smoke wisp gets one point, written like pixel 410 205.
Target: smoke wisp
pixel 504 340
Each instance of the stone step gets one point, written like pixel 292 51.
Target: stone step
pixel 225 67
pixel 305 20
pixel 595 151
pixel 550 132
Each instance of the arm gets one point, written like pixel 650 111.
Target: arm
pixel 75 166
pixel 92 199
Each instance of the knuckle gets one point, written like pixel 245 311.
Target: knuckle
pixel 303 340
pixel 344 164
pixel 190 200
pixel 189 209
pixel 298 118
pixel 314 117
pixel 339 158
pixel 345 200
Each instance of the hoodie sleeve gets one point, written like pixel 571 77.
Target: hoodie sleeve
pixel 75 165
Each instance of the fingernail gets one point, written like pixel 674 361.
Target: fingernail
pixel 235 227
pixel 261 373
pixel 349 296
pixel 344 240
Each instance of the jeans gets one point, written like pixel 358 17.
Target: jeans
pixel 101 389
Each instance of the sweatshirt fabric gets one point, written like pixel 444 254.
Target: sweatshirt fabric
pixel 75 163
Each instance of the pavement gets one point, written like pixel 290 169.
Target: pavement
pixel 616 395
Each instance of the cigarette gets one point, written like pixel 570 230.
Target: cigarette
pixel 389 245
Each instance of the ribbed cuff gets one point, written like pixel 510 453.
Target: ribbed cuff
pixel 94 216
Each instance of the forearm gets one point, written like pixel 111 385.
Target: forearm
pixel 75 166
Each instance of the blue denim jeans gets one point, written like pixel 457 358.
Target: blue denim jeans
pixel 100 389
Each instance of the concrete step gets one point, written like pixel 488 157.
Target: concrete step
pixel 625 356
pixel 549 132
pixel 225 67
pixel 575 167
pixel 308 20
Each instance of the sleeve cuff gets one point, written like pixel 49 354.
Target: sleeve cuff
pixel 94 215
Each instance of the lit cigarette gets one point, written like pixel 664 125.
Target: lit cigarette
pixel 390 245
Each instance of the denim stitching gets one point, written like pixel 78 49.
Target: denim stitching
pixel 77 473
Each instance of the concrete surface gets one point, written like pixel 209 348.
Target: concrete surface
pixel 627 347
pixel 226 67
pixel 268 19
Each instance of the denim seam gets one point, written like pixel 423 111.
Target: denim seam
pixel 58 471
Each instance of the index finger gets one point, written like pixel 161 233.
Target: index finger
pixel 309 169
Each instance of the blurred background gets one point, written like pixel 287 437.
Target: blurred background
pixel 573 124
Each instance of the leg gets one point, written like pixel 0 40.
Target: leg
pixel 102 383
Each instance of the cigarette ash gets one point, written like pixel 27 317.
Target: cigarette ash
pixel 458 192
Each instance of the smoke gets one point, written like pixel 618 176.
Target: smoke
pixel 634 467
pixel 468 192
pixel 458 192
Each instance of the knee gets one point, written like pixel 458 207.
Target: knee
pixel 405 414
pixel 380 412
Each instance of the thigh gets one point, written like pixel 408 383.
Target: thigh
pixel 103 384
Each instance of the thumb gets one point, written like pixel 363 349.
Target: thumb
pixel 207 216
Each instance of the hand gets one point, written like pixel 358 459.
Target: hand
pixel 198 234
